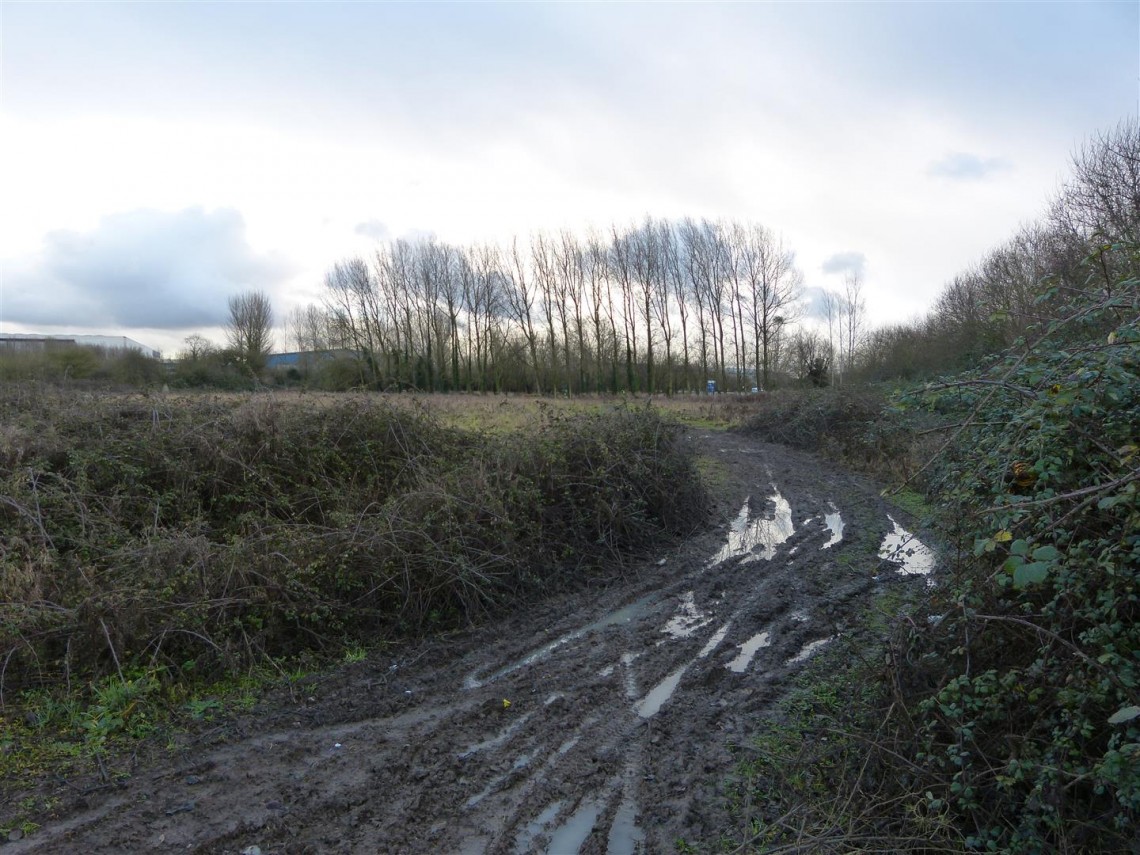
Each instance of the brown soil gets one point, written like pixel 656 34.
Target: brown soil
pixel 538 733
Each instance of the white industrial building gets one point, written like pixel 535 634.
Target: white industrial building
pixel 35 342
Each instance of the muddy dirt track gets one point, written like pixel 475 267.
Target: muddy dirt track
pixel 605 722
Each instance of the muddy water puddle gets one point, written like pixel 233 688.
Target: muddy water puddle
pixel 624 615
pixel 834 522
pixel 748 650
pixel 497 740
pixel 651 704
pixel 688 618
pixel 524 843
pixel 625 836
pixel 809 650
pixel 901 547
pixel 570 836
pixel 757 538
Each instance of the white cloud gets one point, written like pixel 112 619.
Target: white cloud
pixel 373 229
pixel 845 262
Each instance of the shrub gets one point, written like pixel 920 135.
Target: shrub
pixel 1026 689
pixel 157 533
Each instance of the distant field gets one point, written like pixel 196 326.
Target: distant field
pixel 494 413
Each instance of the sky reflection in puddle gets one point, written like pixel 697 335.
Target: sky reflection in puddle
pixel 809 650
pixel 901 547
pixel 834 523
pixel 748 650
pixel 758 538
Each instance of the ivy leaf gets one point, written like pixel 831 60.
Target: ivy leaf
pixel 1124 714
pixel 1028 574
pixel 1046 553
pixel 1003 536
pixel 1019 547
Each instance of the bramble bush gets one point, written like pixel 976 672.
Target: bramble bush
pixel 198 535
pixel 1024 685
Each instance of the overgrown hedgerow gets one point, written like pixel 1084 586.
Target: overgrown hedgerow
pixel 1007 718
pixel 858 426
pixel 1025 685
pixel 206 533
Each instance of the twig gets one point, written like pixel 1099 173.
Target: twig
pixel 1084 491
pixel 111 647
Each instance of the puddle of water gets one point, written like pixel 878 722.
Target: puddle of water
pixel 625 614
pixel 902 547
pixel 497 740
pixel 716 639
pixel 688 618
pixel 834 523
pixel 627 659
pixel 554 697
pixel 523 843
pixel 520 763
pixel 748 650
pixel 799 616
pixel 757 538
pixel 608 671
pixel 568 745
pixel 651 704
pixel 625 836
pixel 809 650
pixel 475 799
pixel 570 836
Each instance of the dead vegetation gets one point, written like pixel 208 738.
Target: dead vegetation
pixel 197 535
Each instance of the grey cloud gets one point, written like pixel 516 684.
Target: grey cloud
pixel 846 262
pixel 373 229
pixel 142 268
pixel 962 166
pixel 814 303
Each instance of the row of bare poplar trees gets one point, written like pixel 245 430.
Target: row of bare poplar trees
pixel 662 306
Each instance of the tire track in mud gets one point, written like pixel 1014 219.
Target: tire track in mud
pixel 596 724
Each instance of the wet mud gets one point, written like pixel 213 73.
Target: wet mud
pixel 605 722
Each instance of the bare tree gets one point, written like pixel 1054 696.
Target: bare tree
pixel 854 310
pixel 250 329
pixel 520 294
pixel 197 347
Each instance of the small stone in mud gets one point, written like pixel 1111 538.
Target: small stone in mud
pixel 191 780
pixel 14 835
pixel 274 805
pixel 251 850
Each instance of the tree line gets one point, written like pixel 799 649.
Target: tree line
pixel 663 306
pixel 660 307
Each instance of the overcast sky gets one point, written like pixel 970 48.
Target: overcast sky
pixel 159 157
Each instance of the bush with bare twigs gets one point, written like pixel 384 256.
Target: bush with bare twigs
pixel 209 533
